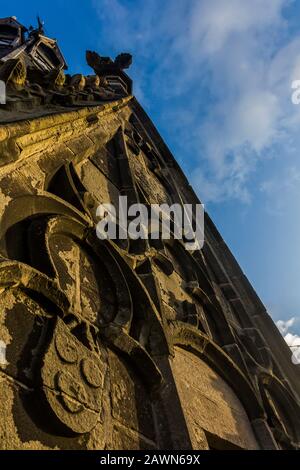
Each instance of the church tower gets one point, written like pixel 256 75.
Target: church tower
pixel 119 343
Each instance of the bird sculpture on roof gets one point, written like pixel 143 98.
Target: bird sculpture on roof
pixel 102 64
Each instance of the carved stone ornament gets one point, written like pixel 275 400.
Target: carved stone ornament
pixel 13 73
pixel 73 378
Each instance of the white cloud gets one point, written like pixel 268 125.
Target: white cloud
pixel 292 340
pixel 212 23
pixel 225 65
pixel 283 326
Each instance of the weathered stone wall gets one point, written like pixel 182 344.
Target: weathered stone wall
pixel 210 405
pixel 94 334
pixel 124 422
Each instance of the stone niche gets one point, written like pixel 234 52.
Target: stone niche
pixel 215 417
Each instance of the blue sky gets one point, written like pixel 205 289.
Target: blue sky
pixel 215 76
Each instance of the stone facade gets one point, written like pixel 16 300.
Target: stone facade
pixel 118 344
